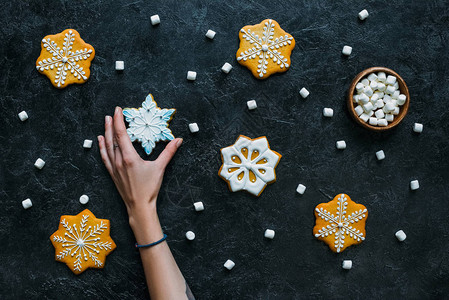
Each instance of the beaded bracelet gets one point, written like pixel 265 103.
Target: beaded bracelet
pixel 152 244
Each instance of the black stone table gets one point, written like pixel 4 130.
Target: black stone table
pixel 410 37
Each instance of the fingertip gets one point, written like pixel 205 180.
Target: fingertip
pixel 179 142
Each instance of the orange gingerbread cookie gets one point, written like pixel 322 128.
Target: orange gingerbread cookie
pixel 249 165
pixel 65 58
pixel 340 223
pixel 82 241
pixel 265 48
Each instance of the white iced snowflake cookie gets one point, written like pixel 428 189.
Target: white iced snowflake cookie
pixel 149 124
pixel 340 223
pixel 265 48
pixel 249 165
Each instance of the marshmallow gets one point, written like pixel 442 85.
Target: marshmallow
pixel 372 77
pixel 395 102
pixel 380 155
pixel 304 92
pixel 387 98
pixel 396 111
pixel 359 87
pixel 381 87
pixel 87 144
pixel 396 85
pixel 84 199
pixel 363 98
pixel 155 20
pixel 368 107
pixel 347 50
pixel 251 104
pixel 389 117
pixel 380 94
pixel 191 75
pixel 364 117
pixel 301 189
pixel 199 206
pixel 355 98
pixel 358 110
pixel 380 103
pixel 379 114
pixel 27 203
pixel 190 235
pixel 391 80
pixel 382 122
pixel 363 14
pixel 119 65
pixel 226 68
pixel 39 163
pixel 389 107
pixel 400 235
pixel 381 77
pixel 401 99
pixel 229 264
pixel 210 34
pixel 328 112
pixel 390 89
pixel 340 145
pixel 374 98
pixel 269 234
pixel 395 94
pixel 365 81
pixel 193 127
pixel 347 264
pixel 414 185
pixel 370 113
pixel 373 121
pixel 23 115
pixel 368 91
pixel 418 127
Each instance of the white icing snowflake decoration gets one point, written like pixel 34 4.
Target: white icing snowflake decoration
pixel 267 49
pixel 249 165
pixel 149 124
pixel 342 225
pixel 62 62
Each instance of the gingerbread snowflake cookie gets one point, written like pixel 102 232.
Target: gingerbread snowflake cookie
pixel 249 165
pixel 82 241
pixel 149 124
pixel 65 58
pixel 340 223
pixel 265 48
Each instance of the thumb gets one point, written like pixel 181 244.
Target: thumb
pixel 168 153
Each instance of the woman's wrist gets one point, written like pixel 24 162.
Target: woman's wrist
pixel 144 222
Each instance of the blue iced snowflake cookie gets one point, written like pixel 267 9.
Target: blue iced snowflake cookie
pixel 149 124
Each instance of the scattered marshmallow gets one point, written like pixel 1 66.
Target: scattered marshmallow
pixel 269 234
pixel 155 20
pixel 229 264
pixel 191 75
pixel 340 145
pixel 40 163
pixel 84 199
pixel 347 264
pixel 400 235
pixel 347 50
pixel 210 34
pixel 119 65
pixel 27 203
pixel 23 116
pixel 304 92
pixel 190 235
pixel 301 189
pixel 418 127
pixel 226 68
pixel 414 185
pixel 328 112
pixel 199 206
pixel 87 144
pixel 380 155
pixel 193 127
pixel 251 104
pixel 363 14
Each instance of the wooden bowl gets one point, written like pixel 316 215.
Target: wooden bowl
pixel 402 87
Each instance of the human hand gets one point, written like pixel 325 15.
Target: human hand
pixel 138 181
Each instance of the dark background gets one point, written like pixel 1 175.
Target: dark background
pixel 410 37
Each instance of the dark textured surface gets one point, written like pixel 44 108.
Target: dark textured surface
pixel 409 37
